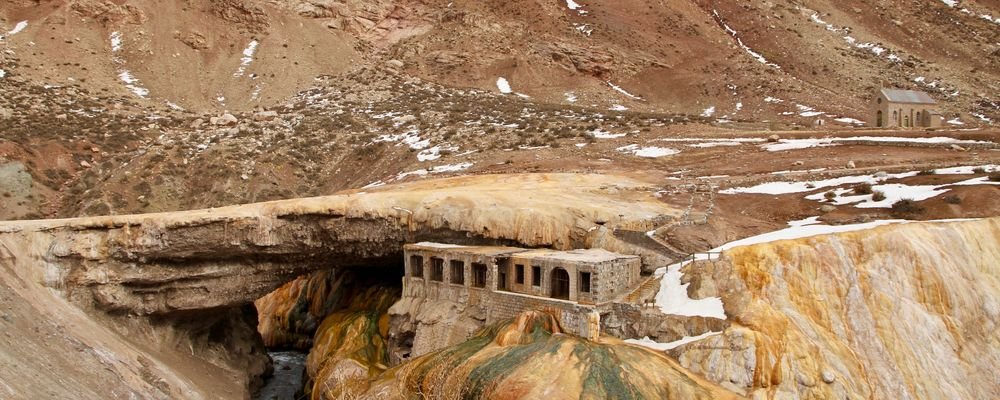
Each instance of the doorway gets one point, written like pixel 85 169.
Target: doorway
pixel 560 284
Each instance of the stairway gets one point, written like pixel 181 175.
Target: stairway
pixel 645 291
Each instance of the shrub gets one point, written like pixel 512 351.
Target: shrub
pixel 830 195
pixel 995 177
pixel 953 199
pixel 864 188
pixel 878 196
pixel 979 170
pixel 926 172
pixel 907 206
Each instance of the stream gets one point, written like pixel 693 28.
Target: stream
pixel 289 368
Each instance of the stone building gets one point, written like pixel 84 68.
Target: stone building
pixel 896 108
pixel 590 276
pixel 504 281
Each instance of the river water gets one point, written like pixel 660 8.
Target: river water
pixel 289 368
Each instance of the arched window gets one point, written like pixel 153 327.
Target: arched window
pixel 879 100
pixel 878 119
pixel 906 121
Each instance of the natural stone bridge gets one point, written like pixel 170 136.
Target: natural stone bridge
pixel 160 305
pixel 157 264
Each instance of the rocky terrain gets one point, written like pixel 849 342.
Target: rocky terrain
pixel 187 186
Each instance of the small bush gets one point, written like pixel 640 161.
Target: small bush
pixel 953 199
pixel 926 172
pixel 830 195
pixel 995 177
pixel 864 188
pixel 979 170
pixel 907 206
pixel 878 196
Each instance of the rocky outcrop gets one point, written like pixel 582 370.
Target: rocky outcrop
pixel 530 356
pixel 898 312
pixel 289 316
pixel 244 13
pixel 108 12
pixel 160 264
pixel 182 279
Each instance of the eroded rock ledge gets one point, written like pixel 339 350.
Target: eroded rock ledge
pixel 186 275
pixel 225 257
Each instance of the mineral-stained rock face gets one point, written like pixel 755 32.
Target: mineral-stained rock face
pixel 350 345
pixel 289 316
pixel 899 312
pixel 179 281
pixel 531 358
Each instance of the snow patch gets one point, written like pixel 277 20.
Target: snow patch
pixel 434 153
pixel 247 58
pixel 622 91
pixel 708 111
pixel 603 134
pixel 783 187
pixel 574 6
pixel 851 121
pixel 647 152
pixel 17 29
pixel 410 138
pixel 795 144
pixel 673 296
pixel 804 222
pixel 435 170
pixel 732 32
pixel 894 192
pixel 982 117
pixel 647 342
pixel 503 85
pixel 116 41
pixel 132 83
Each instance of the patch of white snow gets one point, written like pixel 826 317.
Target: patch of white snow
pixel 247 58
pixel 504 86
pixel 647 342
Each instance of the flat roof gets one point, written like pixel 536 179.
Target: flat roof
pixel 578 255
pixel 457 248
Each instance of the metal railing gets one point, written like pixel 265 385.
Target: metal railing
pixel 709 256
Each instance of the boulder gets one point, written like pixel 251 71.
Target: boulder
pixel 226 119
pixel 395 64
pixel 265 115
pixel 773 138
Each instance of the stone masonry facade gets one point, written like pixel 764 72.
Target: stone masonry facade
pixel 575 285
